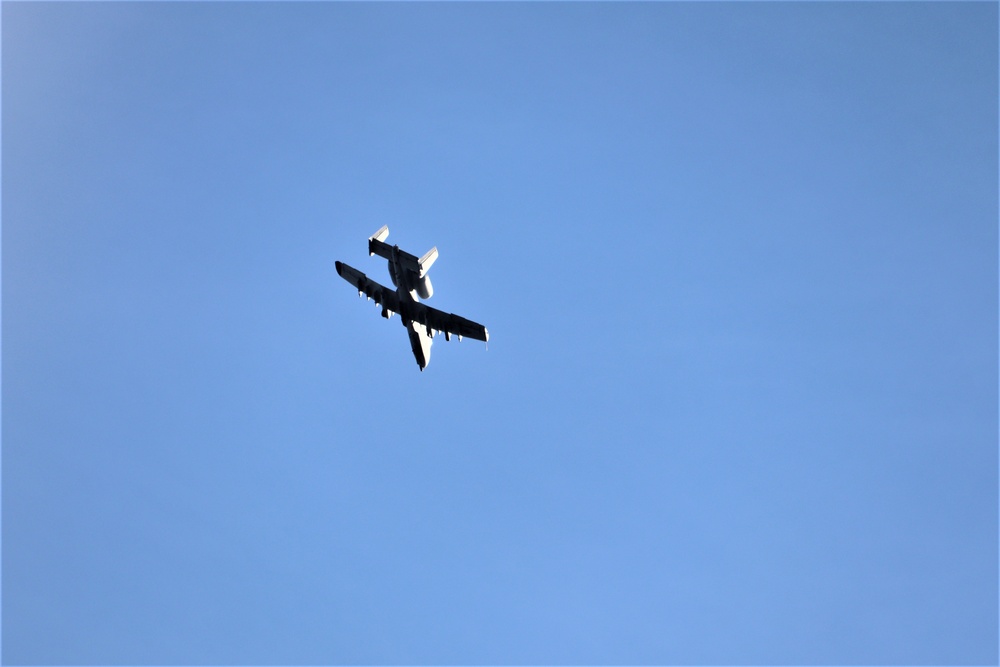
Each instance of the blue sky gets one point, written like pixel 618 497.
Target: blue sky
pixel 739 267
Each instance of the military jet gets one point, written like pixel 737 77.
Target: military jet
pixel 411 282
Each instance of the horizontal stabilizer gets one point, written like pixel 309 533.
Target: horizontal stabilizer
pixel 407 261
pixel 376 245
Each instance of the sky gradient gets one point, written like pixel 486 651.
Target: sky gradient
pixel 739 267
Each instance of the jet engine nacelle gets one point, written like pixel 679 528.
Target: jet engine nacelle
pixel 392 274
pixel 424 287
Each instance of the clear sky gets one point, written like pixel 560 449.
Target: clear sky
pixel 739 267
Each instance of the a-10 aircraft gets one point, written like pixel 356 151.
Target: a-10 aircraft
pixel 409 276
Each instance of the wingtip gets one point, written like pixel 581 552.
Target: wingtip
pixel 338 265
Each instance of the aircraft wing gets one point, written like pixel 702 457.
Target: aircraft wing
pixel 383 296
pixel 449 323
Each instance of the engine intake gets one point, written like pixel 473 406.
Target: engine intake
pixel 424 288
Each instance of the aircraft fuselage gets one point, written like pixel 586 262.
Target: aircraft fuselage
pixel 421 337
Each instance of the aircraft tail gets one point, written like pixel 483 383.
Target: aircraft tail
pixel 377 246
pixel 375 242
pixel 427 261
